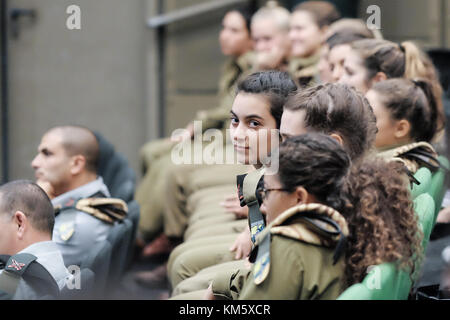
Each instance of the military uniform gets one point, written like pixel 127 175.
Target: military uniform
pixel 412 155
pixel 151 193
pixel 210 247
pixel 49 256
pixel 75 231
pixel 304 71
pixel 191 287
pixel 297 257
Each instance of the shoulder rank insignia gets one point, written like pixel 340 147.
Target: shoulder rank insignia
pixel 66 231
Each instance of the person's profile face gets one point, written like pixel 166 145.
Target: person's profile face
pixel 234 37
pixel 305 35
pixel 354 73
pixel 276 200
pixel 336 59
pixel 52 164
pixel 386 125
pixel 292 124
pixel 266 35
pixel 252 127
pixel 324 65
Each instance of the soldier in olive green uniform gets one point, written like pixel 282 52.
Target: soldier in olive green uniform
pixel 413 156
pixel 298 263
pixel 156 154
pixel 407 120
pixel 351 112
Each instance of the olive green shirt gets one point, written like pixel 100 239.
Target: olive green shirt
pixel 233 71
pixel 298 271
pixel 300 264
pixel 304 71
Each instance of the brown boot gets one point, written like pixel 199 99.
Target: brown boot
pixel 154 278
pixel 161 245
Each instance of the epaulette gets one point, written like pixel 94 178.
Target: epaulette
pixel 310 223
pixel 108 210
pixel 24 266
pixel 413 156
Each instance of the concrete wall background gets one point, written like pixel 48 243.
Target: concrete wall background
pixel 92 77
pixel 104 76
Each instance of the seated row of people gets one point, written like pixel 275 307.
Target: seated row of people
pixel 52 226
pixel 332 109
pixel 192 194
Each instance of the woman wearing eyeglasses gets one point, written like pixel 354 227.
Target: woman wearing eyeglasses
pixel 313 246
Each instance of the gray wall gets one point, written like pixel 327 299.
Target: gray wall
pixel 104 76
pixel 92 77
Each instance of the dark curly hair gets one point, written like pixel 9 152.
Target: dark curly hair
pixel 382 224
pixel 372 195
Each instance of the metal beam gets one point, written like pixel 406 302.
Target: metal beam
pixel 189 12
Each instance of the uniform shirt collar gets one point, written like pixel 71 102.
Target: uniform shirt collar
pixel 49 256
pixel 84 191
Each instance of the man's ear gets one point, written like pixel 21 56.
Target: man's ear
pixel 338 138
pixel 78 164
pixel 21 221
pixel 402 129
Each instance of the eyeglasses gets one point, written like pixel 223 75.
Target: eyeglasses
pixel 263 192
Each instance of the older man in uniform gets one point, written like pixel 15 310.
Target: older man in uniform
pixel 65 167
pixel 26 224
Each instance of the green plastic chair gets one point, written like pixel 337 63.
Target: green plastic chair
pixel 425 208
pixel 423 175
pixel 386 281
pixel 437 186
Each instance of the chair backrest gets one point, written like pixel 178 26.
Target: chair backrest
pixel 115 170
pixel 383 282
pixel 425 209
pixel 133 216
pixel 119 237
pixel 386 281
pixel 86 289
pixel 98 261
pixel 423 175
pixel 437 186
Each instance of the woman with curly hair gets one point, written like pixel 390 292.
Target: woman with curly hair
pixel 315 204
pixel 382 224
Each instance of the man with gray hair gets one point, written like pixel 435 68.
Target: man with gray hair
pixel 66 168
pixel 28 254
